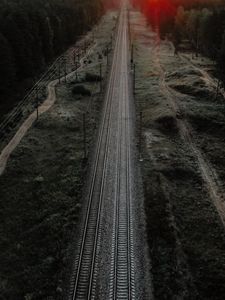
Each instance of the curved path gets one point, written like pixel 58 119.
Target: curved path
pixel 45 106
pixel 5 154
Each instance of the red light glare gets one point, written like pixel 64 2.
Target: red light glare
pixel 157 11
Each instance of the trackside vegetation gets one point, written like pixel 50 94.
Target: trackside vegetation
pixel 33 33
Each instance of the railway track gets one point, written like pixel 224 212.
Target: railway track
pixel 114 130
pixel 81 287
pixel 122 263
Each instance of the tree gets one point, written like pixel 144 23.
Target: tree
pixel 35 32
pixel 181 21
pixel 7 65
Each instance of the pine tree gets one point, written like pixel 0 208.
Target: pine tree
pixel 7 65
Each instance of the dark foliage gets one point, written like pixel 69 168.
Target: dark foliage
pixel 202 22
pixel 33 33
pixel 81 90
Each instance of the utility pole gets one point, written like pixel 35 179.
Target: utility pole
pixel 134 77
pixel 65 71
pixel 59 70
pixel 84 136
pixel 140 135
pixel 132 53
pixel 100 74
pixel 74 57
pixel 65 75
pixel 111 40
pixel 76 71
pixel 107 55
pixel 217 89
pixel 85 46
pixel 129 28
pixel 37 102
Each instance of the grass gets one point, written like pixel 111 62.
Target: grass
pixel 185 235
pixel 40 206
pixel 41 192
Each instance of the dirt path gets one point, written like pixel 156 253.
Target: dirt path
pixel 208 173
pixel 45 106
pixel 26 126
pixel 205 75
pixel 209 80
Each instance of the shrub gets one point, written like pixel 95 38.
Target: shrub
pixel 92 77
pixel 81 90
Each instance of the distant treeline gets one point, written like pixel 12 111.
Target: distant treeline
pixel 33 33
pixel 205 29
pixel 202 22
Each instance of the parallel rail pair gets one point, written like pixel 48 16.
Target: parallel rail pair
pixel 83 283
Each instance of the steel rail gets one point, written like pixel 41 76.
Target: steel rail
pixel 129 197
pixel 107 110
pixel 128 183
pixel 122 264
pixel 113 288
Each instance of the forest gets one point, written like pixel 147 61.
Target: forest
pixel 33 33
pixel 200 22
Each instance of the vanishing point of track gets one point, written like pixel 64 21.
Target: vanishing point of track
pixel 114 129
